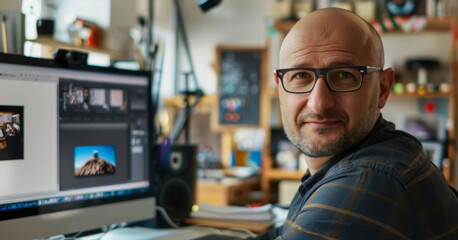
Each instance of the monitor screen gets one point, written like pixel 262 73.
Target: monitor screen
pixel 74 147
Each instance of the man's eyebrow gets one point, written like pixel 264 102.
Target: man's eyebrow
pixel 341 64
pixel 301 65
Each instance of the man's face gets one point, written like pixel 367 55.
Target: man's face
pixel 323 123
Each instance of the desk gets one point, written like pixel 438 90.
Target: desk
pixel 227 191
pixel 182 233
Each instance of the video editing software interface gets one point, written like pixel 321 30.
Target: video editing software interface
pixel 67 136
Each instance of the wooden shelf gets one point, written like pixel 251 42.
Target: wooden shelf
pixel 273 94
pixel 284 26
pixel 416 95
pixel 282 174
pixel 433 24
pixel 51 42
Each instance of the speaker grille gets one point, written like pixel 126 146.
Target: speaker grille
pixel 176 198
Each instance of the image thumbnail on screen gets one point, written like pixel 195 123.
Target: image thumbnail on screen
pixel 11 132
pixel 95 160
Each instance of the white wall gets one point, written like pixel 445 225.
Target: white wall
pixel 67 10
pixel 232 22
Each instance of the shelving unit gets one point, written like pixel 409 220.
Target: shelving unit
pixel 443 25
pixel 51 45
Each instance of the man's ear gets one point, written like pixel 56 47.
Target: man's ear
pixel 276 78
pixel 386 82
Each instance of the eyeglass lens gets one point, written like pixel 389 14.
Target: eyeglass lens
pixel 341 79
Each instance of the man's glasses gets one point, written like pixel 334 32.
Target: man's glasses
pixel 338 79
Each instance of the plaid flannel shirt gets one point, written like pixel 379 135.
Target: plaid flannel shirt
pixel 385 188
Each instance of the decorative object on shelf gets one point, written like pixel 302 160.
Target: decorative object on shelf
pixel 444 87
pixel 405 23
pixel 422 65
pixel 398 88
pixel 412 23
pixel 429 107
pixel 85 33
pixel 421 89
pixel 400 7
pixel 411 87
pixel 432 88
pixel 384 25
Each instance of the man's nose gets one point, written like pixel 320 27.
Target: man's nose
pixel 321 98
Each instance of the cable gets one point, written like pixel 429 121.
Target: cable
pixel 112 227
pixel 77 234
pixel 166 216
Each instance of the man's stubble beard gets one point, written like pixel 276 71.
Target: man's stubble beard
pixel 345 141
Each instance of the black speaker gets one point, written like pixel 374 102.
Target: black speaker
pixel 175 180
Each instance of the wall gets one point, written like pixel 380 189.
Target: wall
pixel 232 22
pixel 10 5
pixel 67 10
pixel 116 17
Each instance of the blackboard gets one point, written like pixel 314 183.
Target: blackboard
pixel 240 86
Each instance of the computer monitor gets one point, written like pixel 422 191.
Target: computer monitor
pixel 76 149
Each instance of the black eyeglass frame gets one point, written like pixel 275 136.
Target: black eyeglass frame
pixel 363 70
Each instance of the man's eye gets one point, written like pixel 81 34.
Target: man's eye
pixel 303 75
pixel 344 74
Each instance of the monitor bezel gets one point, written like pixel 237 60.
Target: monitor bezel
pixel 55 208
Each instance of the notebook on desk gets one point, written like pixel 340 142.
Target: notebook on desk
pixel 253 226
pixel 217 237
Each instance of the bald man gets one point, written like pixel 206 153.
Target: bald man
pixel 365 180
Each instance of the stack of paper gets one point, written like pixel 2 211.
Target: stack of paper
pixel 210 211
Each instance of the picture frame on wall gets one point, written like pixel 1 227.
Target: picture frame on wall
pixel 435 152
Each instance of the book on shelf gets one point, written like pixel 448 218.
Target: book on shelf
pixel 211 211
